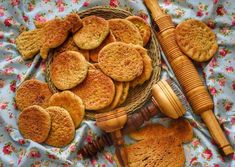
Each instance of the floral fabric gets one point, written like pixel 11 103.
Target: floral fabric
pixel 218 73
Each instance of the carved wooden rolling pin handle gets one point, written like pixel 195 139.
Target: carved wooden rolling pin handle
pixel 167 99
pixel 187 75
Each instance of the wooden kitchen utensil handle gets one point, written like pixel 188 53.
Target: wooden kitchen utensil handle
pixel 187 74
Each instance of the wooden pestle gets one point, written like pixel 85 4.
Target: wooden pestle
pixel 187 75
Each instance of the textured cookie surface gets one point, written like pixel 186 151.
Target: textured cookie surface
pixel 96 91
pixel 69 45
pixel 142 26
pixel 147 70
pixel 91 35
pixel 34 123
pixel 125 31
pixel 62 128
pixel 68 69
pixel 120 61
pixel 72 103
pixel 32 92
pixel 196 40
pixel 94 53
pixel 125 91
pixel 117 97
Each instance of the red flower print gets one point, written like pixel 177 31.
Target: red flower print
pixel 8 129
pixel 215 1
pixel 167 2
pixel 213 91
pixel 21 141
pixel 113 3
pixel 1 11
pixel 93 162
pixel 199 13
pixel 195 142
pixel 79 157
pixel 211 24
pixel 85 4
pixel 2 83
pixel 51 156
pixel 3 105
pixel 30 6
pixel 229 69
pixel 8 149
pixel 233 85
pixel 25 18
pixel 233 156
pixel 108 156
pixel 227 105
pixel 39 17
pixel 1 35
pixel 216 165
pixel 89 138
pixel 223 52
pixel 213 63
pixel 233 120
pixel 13 86
pixel 193 161
pixel 19 77
pixel 207 154
pixel 222 81
pixel 15 2
pixel 46 1
pixel 8 22
pixel 221 11
pixel 34 154
pixel 72 147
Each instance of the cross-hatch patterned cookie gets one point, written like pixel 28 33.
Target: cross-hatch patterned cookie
pixel 48 36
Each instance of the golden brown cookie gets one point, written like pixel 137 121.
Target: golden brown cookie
pixel 125 91
pixel 34 123
pixel 50 35
pixel 32 92
pixel 94 53
pixel 92 34
pixel 69 45
pixel 142 26
pixel 147 71
pixel 120 61
pixel 117 97
pixel 68 69
pixel 62 128
pixel 70 102
pixel 125 31
pixel 96 91
pixel 196 40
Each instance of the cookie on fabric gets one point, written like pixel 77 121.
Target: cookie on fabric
pixel 51 35
pixel 69 45
pixel 142 26
pixel 62 128
pixel 95 29
pixel 120 61
pixel 68 69
pixel 94 53
pixel 96 91
pixel 117 97
pixel 70 102
pixel 147 71
pixel 32 92
pixel 125 31
pixel 34 123
pixel 196 40
pixel 125 91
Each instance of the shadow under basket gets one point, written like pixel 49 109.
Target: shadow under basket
pixel 140 94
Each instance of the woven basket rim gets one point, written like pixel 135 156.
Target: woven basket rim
pixel 157 69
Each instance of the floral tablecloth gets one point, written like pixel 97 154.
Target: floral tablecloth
pixel 219 76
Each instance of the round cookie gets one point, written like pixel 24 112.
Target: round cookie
pixel 72 103
pixel 91 35
pixel 96 91
pixel 68 69
pixel 34 123
pixel 94 53
pixel 196 40
pixel 120 61
pixel 32 92
pixel 147 71
pixel 125 31
pixel 118 94
pixel 125 91
pixel 142 26
pixel 62 128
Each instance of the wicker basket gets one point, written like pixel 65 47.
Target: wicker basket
pixel 139 94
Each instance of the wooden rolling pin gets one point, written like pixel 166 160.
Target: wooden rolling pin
pixel 187 75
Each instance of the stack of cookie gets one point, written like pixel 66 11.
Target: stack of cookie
pixel 95 62
pixel 45 117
